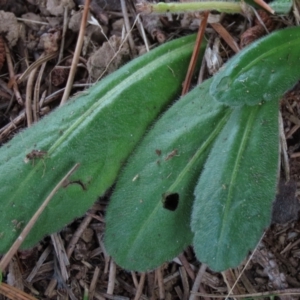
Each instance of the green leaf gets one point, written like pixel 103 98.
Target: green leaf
pixel 262 72
pixel 282 7
pixel 98 129
pixel 237 186
pixel 148 218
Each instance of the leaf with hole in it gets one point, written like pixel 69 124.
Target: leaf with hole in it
pixel 237 186
pixel 98 129
pixel 264 71
pixel 148 218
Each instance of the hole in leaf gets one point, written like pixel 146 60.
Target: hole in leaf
pixel 170 201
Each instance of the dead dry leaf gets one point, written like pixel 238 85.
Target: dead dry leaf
pixel 9 27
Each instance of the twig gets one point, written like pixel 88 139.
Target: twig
pixel 134 279
pixel 243 270
pixel 142 32
pixel 75 237
pixel 61 255
pixel 185 283
pixel 160 282
pixel 5 131
pixel 76 53
pixel 127 27
pixel 14 248
pixel 12 76
pixel 140 287
pixel 283 148
pixel 195 54
pixel 286 292
pixel 186 266
pixel 39 263
pixel 111 278
pixel 13 293
pixel 63 37
pixel 93 284
pixel 197 281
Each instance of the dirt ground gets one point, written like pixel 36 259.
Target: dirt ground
pixel 37 46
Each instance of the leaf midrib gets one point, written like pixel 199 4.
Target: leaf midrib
pixel 243 145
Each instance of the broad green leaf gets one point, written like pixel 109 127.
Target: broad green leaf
pixel 282 6
pixel 148 218
pixel 237 186
pixel 262 72
pixel 98 129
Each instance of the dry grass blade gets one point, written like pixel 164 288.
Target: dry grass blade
pixel 36 64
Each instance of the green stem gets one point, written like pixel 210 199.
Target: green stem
pixel 162 8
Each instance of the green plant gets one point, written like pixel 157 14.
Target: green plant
pixel 98 130
pixel 231 7
pixel 210 161
pixel 232 149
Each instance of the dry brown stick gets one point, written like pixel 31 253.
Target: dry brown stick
pixel 286 292
pixel 92 288
pixel 140 287
pixel 283 148
pixel 76 53
pixel 111 278
pixel 142 32
pixel 134 279
pixel 14 248
pixel 62 259
pixel 5 131
pixel 195 54
pixel 83 225
pixel 160 281
pixel 12 76
pixel 39 263
pixel 128 27
pixel 14 293
pixel 197 281
pixel 185 283
pixel 230 279
pixel 244 268
pixel 63 37
pixel 186 265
